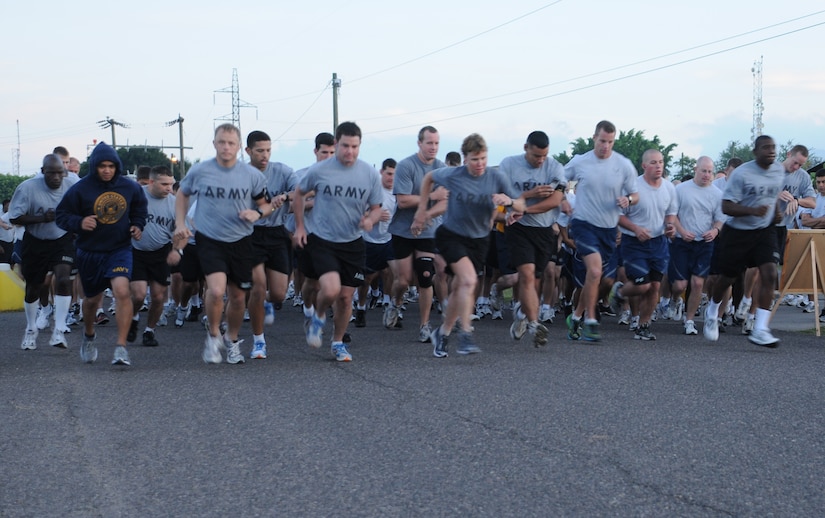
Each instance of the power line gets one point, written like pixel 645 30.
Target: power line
pixel 605 82
pixel 428 54
pixel 605 71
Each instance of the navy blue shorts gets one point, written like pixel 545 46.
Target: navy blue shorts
pixel 645 260
pixel 378 255
pixel 688 259
pixel 97 268
pixel 591 239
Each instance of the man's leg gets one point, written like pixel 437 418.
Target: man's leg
pixel 123 307
pixel 213 301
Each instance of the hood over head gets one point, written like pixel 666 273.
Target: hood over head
pixel 103 152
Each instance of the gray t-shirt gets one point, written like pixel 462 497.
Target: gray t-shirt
pixel 380 232
pixel 34 198
pixel 280 179
pixel 342 196
pixel 752 186
pixel 222 193
pixel 599 183
pixel 654 204
pixel 160 223
pixel 408 177
pixel 289 219
pixel 525 177
pixel 470 209
pixel 799 185
pixel 698 208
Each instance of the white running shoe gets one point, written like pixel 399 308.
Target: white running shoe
pixel 763 337
pixel 690 328
pixel 58 339
pixel 29 340
pixel 212 349
pixel 43 315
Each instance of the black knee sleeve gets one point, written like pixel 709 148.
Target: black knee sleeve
pixel 425 271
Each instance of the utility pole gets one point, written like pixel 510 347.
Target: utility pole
pixel 336 84
pixel 111 123
pixel 758 106
pixel 237 103
pixel 179 122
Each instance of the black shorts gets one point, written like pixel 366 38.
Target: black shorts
pixel 189 265
pixel 737 250
pixel 272 247
pixel 41 255
pixel 233 259
pixel 454 247
pixel 502 252
pixel 378 256
pixel 321 256
pixel 403 247
pixel 151 266
pixel 530 245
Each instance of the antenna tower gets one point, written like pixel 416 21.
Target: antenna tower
pixel 237 103
pixel 15 154
pixel 758 106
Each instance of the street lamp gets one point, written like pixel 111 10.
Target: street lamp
pixel 174 161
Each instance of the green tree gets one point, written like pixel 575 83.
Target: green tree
pixel 133 157
pixel 631 144
pixel 735 149
pixel 8 183
pixel 684 167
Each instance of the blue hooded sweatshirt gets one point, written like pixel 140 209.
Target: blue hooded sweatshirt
pixel 118 205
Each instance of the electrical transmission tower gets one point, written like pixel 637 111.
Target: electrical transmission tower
pixel 758 106
pixel 237 103
pixel 15 154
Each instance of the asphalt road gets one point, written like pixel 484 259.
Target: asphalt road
pixel 675 427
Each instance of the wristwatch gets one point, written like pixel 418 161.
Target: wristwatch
pixel 179 251
pixel 259 211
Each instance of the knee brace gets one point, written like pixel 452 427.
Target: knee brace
pixel 425 271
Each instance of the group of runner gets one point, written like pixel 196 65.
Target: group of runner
pixel 236 230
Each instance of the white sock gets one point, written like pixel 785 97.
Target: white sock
pixel 61 311
pixel 31 314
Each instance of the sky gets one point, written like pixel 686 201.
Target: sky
pixel 681 71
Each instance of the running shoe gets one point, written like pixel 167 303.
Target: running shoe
pixel 466 345
pixel 315 332
pixel 547 314
pixel 360 318
pixel 539 333
pixel 29 340
pixel 390 316
pixel 133 331
pixel 43 315
pixel 424 333
pixel 690 328
pixel 88 349
pixel 573 328
pixel 258 351
pixel 624 319
pixel 590 332
pixel 101 318
pixel 643 333
pixel 763 338
pixel 518 328
pixel 58 339
pixel 212 349
pixel 439 342
pixel 269 314
pixel 711 327
pixel 149 339
pixel 180 316
pixel 233 352
pixel 614 300
pixel 121 356
pixel 339 350
pixel 748 325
